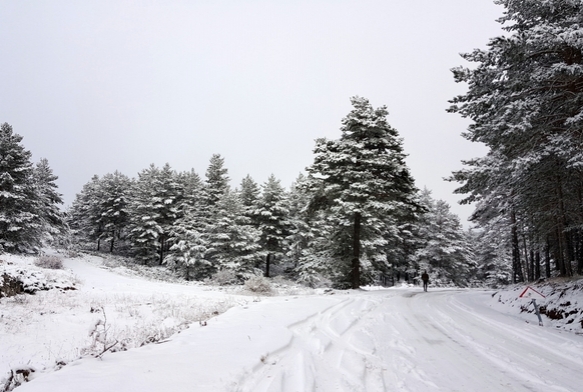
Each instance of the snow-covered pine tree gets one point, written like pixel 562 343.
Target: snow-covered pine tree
pixel 271 216
pixel 84 215
pixel 492 251
pixel 20 207
pixel 115 196
pixel 188 232
pixel 249 192
pixel 359 179
pixel 299 229
pixel 217 180
pixel 54 226
pixel 525 99
pixel 232 242
pixel 190 247
pixel 154 210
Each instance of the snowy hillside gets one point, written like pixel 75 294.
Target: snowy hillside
pixel 398 339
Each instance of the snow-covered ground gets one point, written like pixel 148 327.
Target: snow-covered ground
pixel 399 339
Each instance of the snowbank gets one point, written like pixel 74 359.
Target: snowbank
pixel 562 307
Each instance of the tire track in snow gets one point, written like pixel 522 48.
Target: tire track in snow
pixel 329 350
pixel 491 356
pixel 518 352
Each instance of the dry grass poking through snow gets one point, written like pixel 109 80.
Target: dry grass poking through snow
pixel 51 328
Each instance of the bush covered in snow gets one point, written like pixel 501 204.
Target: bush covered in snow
pixel 224 278
pixel 50 262
pixel 258 284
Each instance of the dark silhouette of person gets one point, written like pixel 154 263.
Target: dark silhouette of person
pixel 425 279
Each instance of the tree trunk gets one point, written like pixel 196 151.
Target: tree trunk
pixel 527 262
pixel 356 252
pixel 559 254
pixel 565 236
pixel 579 253
pixel 537 265
pixel 112 242
pixel 267 264
pixel 162 243
pixel 517 275
pixel 548 260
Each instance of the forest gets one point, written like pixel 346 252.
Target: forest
pixel 356 217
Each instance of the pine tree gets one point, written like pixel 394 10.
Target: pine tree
pixel 525 98
pixel 115 196
pixel 271 216
pixel 84 215
pixel 190 247
pixel 217 180
pixel 52 218
pixel 190 244
pixel 299 229
pixel 155 208
pixel 232 242
pixel 361 178
pixel 249 192
pixel 20 221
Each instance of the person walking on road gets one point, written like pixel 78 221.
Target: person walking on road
pixel 425 279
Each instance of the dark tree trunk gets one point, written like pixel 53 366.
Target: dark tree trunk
pixel 548 260
pixel 537 265
pixel 559 254
pixel 162 244
pixel 267 264
pixel 111 245
pixel 527 262
pixel 565 241
pixel 579 253
pixel 517 275
pixel 98 244
pixel 356 252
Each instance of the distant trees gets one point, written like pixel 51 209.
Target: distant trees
pixel 525 97
pixel 356 218
pixel 29 213
pixel 443 247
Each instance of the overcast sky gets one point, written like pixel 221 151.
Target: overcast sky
pixel 99 86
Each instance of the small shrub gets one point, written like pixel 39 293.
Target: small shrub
pixel 258 284
pixel 51 262
pixel 224 278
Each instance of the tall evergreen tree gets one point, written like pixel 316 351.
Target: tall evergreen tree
pixel 190 244
pixel 54 226
pixel 359 179
pixel 232 242
pixel 115 196
pixel 20 207
pixel 217 180
pixel 271 215
pixel 84 215
pixel 525 98
pixel 154 210
pixel 249 193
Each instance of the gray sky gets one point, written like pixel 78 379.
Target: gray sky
pixel 99 86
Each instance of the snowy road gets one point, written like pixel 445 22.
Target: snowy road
pixel 387 340
pixel 415 341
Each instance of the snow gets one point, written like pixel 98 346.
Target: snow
pixel 398 339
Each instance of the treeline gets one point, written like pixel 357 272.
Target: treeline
pixel 525 98
pixel 356 218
